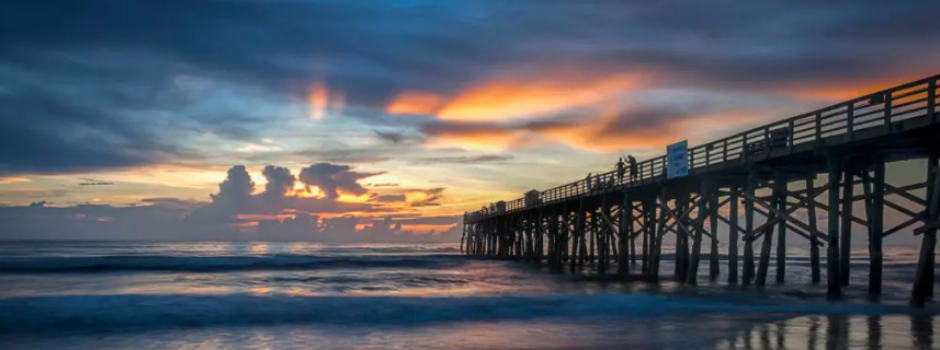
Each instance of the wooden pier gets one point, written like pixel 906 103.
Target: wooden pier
pixel 773 171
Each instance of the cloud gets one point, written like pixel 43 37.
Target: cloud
pixel 481 159
pixel 9 180
pixel 387 184
pixel 432 220
pixel 333 179
pixel 236 188
pixel 526 97
pixel 425 198
pixel 392 137
pixel 604 131
pixel 94 87
pixel 236 195
pixel 389 198
pixel 415 103
pixel 94 182
pixel 175 203
pixel 279 181
pixel 237 211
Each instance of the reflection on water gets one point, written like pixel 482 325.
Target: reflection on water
pixel 828 332
pixel 838 332
pixel 217 295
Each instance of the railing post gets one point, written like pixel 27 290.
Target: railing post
pixel 888 112
pixel 791 134
pixel 744 150
pixel 818 127
pixel 766 141
pixel 932 100
pixel 850 120
pixel 724 151
pixel 708 157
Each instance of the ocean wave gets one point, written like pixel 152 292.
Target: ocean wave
pixel 223 263
pixel 395 249
pixel 92 313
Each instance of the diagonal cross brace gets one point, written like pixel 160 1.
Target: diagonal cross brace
pixel 802 204
pixel 683 228
pixel 786 216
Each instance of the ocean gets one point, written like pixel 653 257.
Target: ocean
pixel 221 295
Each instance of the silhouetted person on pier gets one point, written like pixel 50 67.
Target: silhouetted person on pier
pixel 621 169
pixel 634 171
pixel 587 182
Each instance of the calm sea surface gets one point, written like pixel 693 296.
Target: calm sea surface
pixel 133 295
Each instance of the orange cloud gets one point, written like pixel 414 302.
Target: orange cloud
pixel 415 102
pixel 303 191
pixel 260 217
pixel 609 131
pixel 8 180
pixel 845 89
pixel 426 228
pixel 321 101
pixel 351 198
pixel 502 99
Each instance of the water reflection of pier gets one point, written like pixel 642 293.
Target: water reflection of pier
pixel 831 332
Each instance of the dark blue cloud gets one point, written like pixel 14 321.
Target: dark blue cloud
pixel 84 82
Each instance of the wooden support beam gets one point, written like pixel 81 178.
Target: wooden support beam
pixel 795 207
pixel 649 230
pixel 903 192
pixel 900 226
pixel 903 210
pixel 775 211
pixel 929 226
pixel 685 215
pixel 685 230
pixel 797 193
pixel 813 239
pixel 846 244
pixel 825 207
pixel 626 234
pixel 682 241
pixel 658 237
pixel 835 173
pixel 876 256
pixel 692 276
pixel 748 273
pixel 713 206
pixel 924 277
pixel 732 236
pixel 780 185
pixel 763 263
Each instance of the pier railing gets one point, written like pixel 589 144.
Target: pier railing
pixel 878 109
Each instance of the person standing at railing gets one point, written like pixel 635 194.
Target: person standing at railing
pixel 621 169
pixel 634 171
pixel 587 183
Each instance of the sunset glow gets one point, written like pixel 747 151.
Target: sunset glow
pixel 327 111
pixel 503 99
pixel 415 102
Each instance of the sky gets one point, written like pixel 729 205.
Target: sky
pixel 386 120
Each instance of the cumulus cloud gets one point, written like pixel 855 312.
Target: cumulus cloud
pixel 236 197
pixel 236 188
pixel 279 181
pixel 333 179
